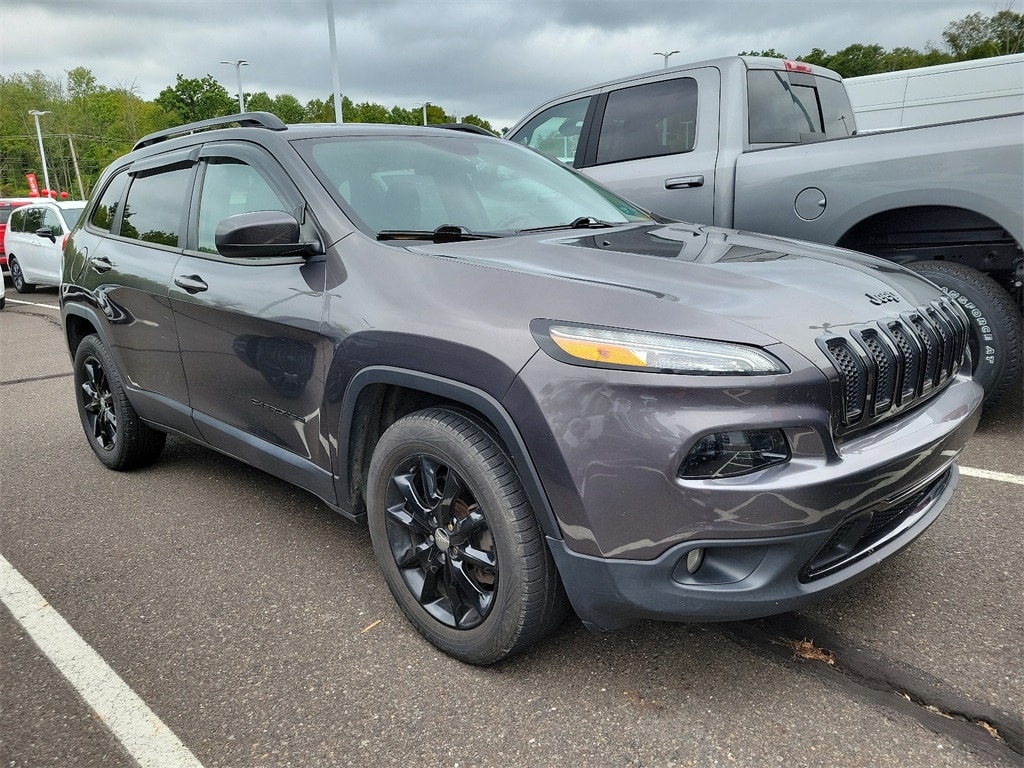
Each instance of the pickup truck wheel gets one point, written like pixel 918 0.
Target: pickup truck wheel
pixel 115 432
pixel 457 540
pixel 18 277
pixel 996 335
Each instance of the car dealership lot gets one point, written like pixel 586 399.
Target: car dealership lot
pixel 254 623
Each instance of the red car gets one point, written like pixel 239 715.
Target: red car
pixel 6 206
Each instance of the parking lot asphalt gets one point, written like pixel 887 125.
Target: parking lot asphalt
pixel 254 624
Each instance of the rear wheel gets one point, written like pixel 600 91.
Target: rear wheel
pixel 115 432
pixel 995 321
pixel 18 277
pixel 457 541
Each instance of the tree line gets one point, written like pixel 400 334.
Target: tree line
pixel 89 124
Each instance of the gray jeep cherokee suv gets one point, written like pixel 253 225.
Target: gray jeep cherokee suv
pixel 536 394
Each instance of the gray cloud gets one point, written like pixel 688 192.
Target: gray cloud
pixel 493 58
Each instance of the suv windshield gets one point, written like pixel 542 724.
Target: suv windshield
pixel 481 185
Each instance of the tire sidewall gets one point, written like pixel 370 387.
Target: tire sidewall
pixel 991 325
pixel 486 642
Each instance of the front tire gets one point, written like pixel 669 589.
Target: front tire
pixel 18 277
pixel 457 541
pixel 115 432
pixel 995 321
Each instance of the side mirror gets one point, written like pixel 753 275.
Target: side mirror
pixel 259 234
pixel 46 232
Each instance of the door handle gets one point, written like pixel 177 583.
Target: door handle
pixel 191 283
pixel 101 264
pixel 684 182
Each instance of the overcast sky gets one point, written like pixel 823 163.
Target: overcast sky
pixel 493 58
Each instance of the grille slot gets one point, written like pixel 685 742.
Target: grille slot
pixel 897 363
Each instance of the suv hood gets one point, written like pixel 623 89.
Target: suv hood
pixel 786 290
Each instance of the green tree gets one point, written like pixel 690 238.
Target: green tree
pixel 194 99
pixel 977 36
pixel 769 53
pixel 857 60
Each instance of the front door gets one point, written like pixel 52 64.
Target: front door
pixel 249 328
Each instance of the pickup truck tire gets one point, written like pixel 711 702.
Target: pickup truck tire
pixel 456 539
pixel 996 335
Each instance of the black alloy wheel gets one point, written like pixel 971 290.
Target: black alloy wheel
pixel 456 539
pixel 98 404
pixel 441 542
pixel 117 435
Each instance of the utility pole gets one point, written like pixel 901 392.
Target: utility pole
pixel 78 174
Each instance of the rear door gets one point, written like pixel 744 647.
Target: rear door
pixel 127 250
pixel 249 328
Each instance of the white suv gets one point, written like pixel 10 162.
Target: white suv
pixel 34 241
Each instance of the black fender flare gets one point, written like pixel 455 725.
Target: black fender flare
pixel 464 394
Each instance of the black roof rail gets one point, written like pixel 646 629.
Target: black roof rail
pixel 246 120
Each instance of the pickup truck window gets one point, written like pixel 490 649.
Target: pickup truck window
pixel 785 108
pixel 556 131
pixel 649 120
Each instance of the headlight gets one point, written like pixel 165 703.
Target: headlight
pixel 614 348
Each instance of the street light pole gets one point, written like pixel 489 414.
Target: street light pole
pixel 42 153
pixel 238 64
pixel 666 55
pixel 338 117
pixel 425 104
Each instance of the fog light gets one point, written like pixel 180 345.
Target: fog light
pixel 694 560
pixel 728 454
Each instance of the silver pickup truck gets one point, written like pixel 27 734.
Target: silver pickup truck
pixel 772 146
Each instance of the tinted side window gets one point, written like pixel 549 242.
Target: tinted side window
pixel 106 210
pixel 556 131
pixel 231 187
pixel 649 121
pixel 154 207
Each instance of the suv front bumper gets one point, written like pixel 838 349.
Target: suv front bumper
pixel 743 578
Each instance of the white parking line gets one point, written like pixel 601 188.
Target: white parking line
pixel 1004 477
pixel 132 723
pixel 31 303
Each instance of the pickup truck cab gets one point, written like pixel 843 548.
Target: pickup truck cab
pixel 772 146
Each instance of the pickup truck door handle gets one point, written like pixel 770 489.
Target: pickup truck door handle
pixel 191 283
pixel 101 265
pixel 684 182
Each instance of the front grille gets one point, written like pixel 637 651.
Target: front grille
pixel 896 363
pixel 863 533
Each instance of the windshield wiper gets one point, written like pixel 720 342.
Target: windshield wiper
pixel 583 222
pixel 589 222
pixel 446 233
